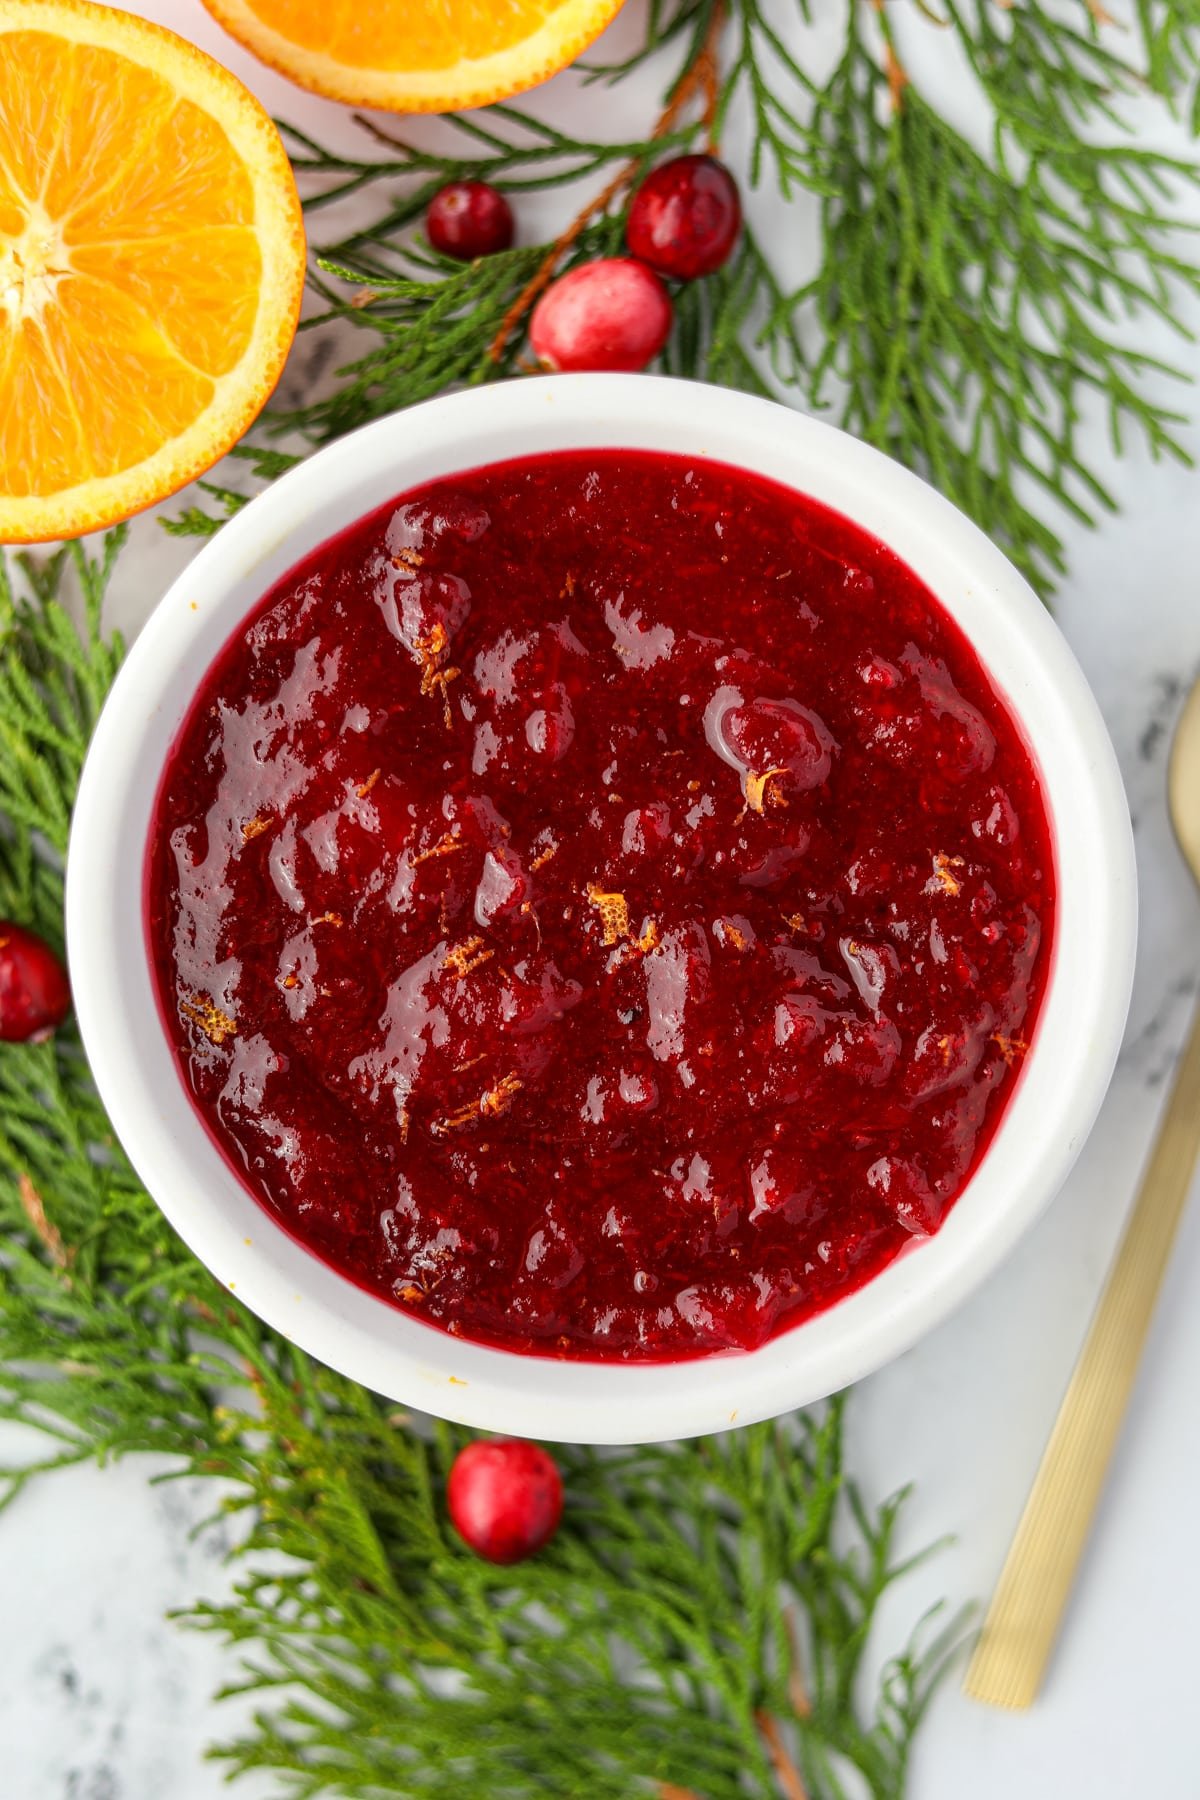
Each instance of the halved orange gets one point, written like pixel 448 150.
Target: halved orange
pixel 416 55
pixel 151 265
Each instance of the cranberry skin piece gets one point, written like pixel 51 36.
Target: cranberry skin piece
pixel 685 217
pixel 614 314
pixel 505 1498
pixel 34 996
pixel 467 219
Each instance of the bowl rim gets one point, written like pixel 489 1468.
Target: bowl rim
pixel 1048 1116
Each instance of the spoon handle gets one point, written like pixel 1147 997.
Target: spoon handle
pixel 1023 1619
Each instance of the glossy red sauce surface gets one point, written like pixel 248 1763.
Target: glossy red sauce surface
pixel 600 904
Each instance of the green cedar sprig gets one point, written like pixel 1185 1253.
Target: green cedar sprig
pixel 976 319
pixel 698 1628
pixel 1170 38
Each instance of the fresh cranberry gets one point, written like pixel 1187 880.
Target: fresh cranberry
pixel 467 219
pixel 903 1185
pixel 685 217
pixel 780 734
pixel 505 1498
pixel 34 996
pixel 420 608
pixel 612 314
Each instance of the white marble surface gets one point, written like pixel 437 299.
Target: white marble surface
pixel 101 1698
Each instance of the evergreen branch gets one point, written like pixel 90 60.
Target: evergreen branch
pixel 782 138
pixel 970 311
pixel 434 332
pixel 268 465
pixel 720 324
pixel 1170 34
pixel 193 521
pixel 52 687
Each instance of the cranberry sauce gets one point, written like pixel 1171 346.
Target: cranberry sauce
pixel 600 904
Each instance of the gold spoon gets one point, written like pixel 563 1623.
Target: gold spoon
pixel 1023 1619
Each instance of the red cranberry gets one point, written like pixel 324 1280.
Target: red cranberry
pixel 550 728
pixel 612 314
pixel 467 219
pixel 780 734
pixel 903 1186
pixel 505 1498
pixel 34 996
pixel 685 217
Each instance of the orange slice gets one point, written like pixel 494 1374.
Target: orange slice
pixel 151 265
pixel 416 55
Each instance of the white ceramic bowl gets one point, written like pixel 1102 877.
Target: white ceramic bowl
pixel 1066 1071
